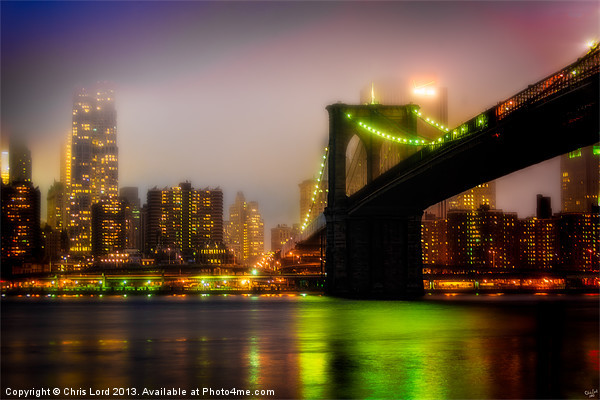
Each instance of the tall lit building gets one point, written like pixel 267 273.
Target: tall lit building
pixel 109 226
pixel 183 218
pixel 92 167
pixel 211 227
pixel 580 179
pixel 256 231
pixel 245 233
pixel 21 234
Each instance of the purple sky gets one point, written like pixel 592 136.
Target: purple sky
pixel 233 94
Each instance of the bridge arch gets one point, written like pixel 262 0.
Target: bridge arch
pixel 356 165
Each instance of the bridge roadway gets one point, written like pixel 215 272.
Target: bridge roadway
pixel 373 237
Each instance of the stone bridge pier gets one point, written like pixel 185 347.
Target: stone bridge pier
pixel 374 255
pixel 371 252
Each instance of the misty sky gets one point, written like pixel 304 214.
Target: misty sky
pixel 233 94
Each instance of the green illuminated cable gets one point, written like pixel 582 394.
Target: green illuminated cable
pixel 314 195
pixel 384 135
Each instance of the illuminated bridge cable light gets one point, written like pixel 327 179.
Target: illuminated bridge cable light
pixel 314 194
pixel 431 121
pixel 385 135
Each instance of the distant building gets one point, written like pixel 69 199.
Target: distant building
pixel 280 235
pixel 131 194
pixel 473 199
pixel 21 234
pixel 543 209
pixel 4 173
pixel 580 179
pixel 56 207
pixel 538 243
pixel 537 237
pixel 109 226
pixel 183 218
pixel 133 211
pixel 483 238
pixel 434 240
pixel 19 160
pixel 245 230
pixel 579 246
pixel 55 243
pixel 212 202
pixel 212 253
pixel 487 239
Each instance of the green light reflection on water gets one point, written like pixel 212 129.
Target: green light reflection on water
pixel 378 349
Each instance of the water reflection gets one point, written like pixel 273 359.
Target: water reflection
pixel 311 347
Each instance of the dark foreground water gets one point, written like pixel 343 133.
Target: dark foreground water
pixel 302 347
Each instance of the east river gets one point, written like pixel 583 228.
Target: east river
pixel 458 347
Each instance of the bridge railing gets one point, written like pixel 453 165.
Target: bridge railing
pixel 568 77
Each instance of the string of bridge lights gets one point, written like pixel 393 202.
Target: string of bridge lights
pixel 384 135
pixel 316 191
pixel 431 122
pixel 413 142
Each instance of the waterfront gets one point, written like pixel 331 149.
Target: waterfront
pixel 465 346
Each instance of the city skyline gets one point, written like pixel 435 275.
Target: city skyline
pixel 204 90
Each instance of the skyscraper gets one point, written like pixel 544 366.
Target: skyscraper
pixel 579 179
pixel 183 218
pixel 92 161
pixel 245 230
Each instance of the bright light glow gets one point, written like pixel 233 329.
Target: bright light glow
pixel 424 91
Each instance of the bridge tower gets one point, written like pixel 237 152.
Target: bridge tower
pixel 372 252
